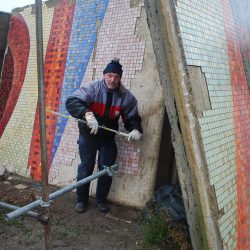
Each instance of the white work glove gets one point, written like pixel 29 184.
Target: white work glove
pixel 134 135
pixel 92 122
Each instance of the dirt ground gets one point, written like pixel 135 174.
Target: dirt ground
pixel 117 229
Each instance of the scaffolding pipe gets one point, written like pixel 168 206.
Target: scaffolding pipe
pixel 12 207
pixel 42 120
pixel 42 218
pixel 107 170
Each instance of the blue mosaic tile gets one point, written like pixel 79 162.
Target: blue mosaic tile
pixel 82 42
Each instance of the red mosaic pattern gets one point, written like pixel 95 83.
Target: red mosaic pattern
pixel 54 67
pixel 241 102
pixel 6 81
pixel 13 78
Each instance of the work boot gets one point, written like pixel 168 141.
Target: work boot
pixel 103 207
pixel 80 207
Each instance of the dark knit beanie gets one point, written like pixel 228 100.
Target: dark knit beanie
pixel 114 67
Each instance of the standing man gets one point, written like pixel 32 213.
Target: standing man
pixel 102 102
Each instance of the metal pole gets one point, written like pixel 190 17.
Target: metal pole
pixel 42 116
pixel 12 207
pixel 23 210
pixel 84 122
pixel 42 218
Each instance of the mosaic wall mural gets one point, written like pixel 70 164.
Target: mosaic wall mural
pixel 15 65
pixel 216 38
pixel 80 38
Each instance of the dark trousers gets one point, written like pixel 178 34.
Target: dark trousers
pixel 88 148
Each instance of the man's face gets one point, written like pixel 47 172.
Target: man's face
pixel 112 80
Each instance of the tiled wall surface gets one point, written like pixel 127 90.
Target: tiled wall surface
pixel 54 67
pixel 237 29
pixel 127 46
pixel 215 37
pixel 16 139
pixel 18 44
pixel 6 81
pixel 87 18
pixel 104 24
pixel 82 41
pixel 80 38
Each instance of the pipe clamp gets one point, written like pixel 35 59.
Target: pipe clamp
pixel 45 204
pixel 110 171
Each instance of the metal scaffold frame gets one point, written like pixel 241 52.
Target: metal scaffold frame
pixel 20 211
pixel 42 123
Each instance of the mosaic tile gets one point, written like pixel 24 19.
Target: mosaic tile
pixel 238 42
pixel 54 67
pixel 83 37
pixel 220 45
pixel 205 45
pixel 102 52
pixel 128 47
pixel 18 44
pixel 6 81
pixel 73 56
pixel 16 138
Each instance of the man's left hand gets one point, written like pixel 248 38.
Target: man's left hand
pixel 134 135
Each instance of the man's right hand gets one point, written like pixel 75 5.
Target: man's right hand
pixel 92 122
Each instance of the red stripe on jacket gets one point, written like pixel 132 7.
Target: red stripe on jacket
pixel 99 109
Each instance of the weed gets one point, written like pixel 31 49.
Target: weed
pixel 15 222
pixel 158 229
pixel 154 231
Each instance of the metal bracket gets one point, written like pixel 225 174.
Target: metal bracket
pixel 44 218
pixel 110 171
pixel 45 204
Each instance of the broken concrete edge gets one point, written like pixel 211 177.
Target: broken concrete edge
pixel 48 3
pixel 134 3
pixel 159 39
pixel 8 172
pixel 163 25
pixel 20 9
pixel 190 128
